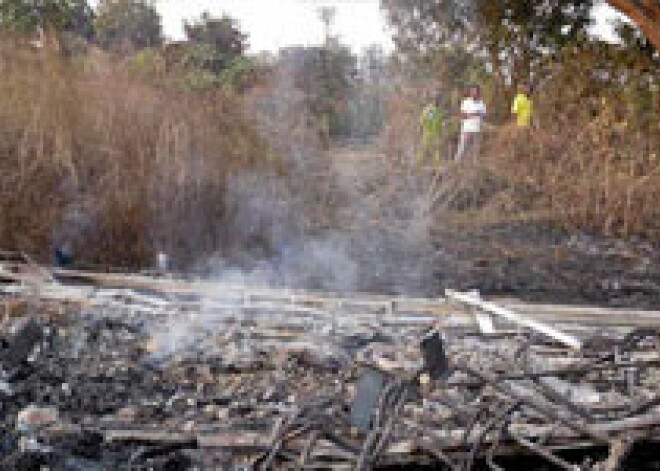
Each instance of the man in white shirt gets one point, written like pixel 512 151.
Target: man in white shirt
pixel 473 111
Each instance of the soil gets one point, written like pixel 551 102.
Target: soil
pixel 530 261
pixel 542 264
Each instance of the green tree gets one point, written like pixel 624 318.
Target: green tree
pixel 48 16
pixel 217 42
pixel 134 23
pixel 325 76
pixel 506 41
pixel 82 20
pixel 212 56
pixel 511 35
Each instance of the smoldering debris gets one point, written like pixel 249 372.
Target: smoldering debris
pixel 275 379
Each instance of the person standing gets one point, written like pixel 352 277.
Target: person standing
pixel 523 107
pixel 473 112
pixel 432 122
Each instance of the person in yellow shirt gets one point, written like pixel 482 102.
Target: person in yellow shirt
pixel 523 107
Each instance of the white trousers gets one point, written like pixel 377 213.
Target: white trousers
pixel 469 147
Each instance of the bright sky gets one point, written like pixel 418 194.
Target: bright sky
pixel 605 15
pixel 272 24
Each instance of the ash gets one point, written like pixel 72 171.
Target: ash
pixel 116 380
pixel 121 401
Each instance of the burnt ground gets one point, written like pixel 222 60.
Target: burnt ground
pixel 532 261
pixel 90 372
pixel 541 264
pixel 67 383
pixel 88 389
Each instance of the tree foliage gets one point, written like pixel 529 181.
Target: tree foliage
pixel 511 35
pixel 635 41
pixel 496 43
pixel 324 75
pixel 217 42
pixel 61 15
pixel 134 23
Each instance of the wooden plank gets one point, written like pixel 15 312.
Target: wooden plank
pixel 139 291
pixel 474 301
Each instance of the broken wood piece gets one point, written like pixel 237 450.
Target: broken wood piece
pixel 474 301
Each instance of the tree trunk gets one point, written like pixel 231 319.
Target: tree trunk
pixel 644 13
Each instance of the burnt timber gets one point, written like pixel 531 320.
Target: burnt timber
pixel 120 371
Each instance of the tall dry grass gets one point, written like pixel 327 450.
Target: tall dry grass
pixel 119 165
pixel 591 163
pixel 591 173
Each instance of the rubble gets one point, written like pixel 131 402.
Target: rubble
pixel 21 344
pixel 33 418
pixel 129 372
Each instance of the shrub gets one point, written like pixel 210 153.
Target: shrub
pixel 117 163
pixel 591 164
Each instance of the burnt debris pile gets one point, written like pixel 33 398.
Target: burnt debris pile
pixel 162 374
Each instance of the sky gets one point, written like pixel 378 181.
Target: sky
pixel 273 24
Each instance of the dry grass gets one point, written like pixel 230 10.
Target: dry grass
pixel 591 164
pixel 123 164
pixel 119 165
pixel 593 175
